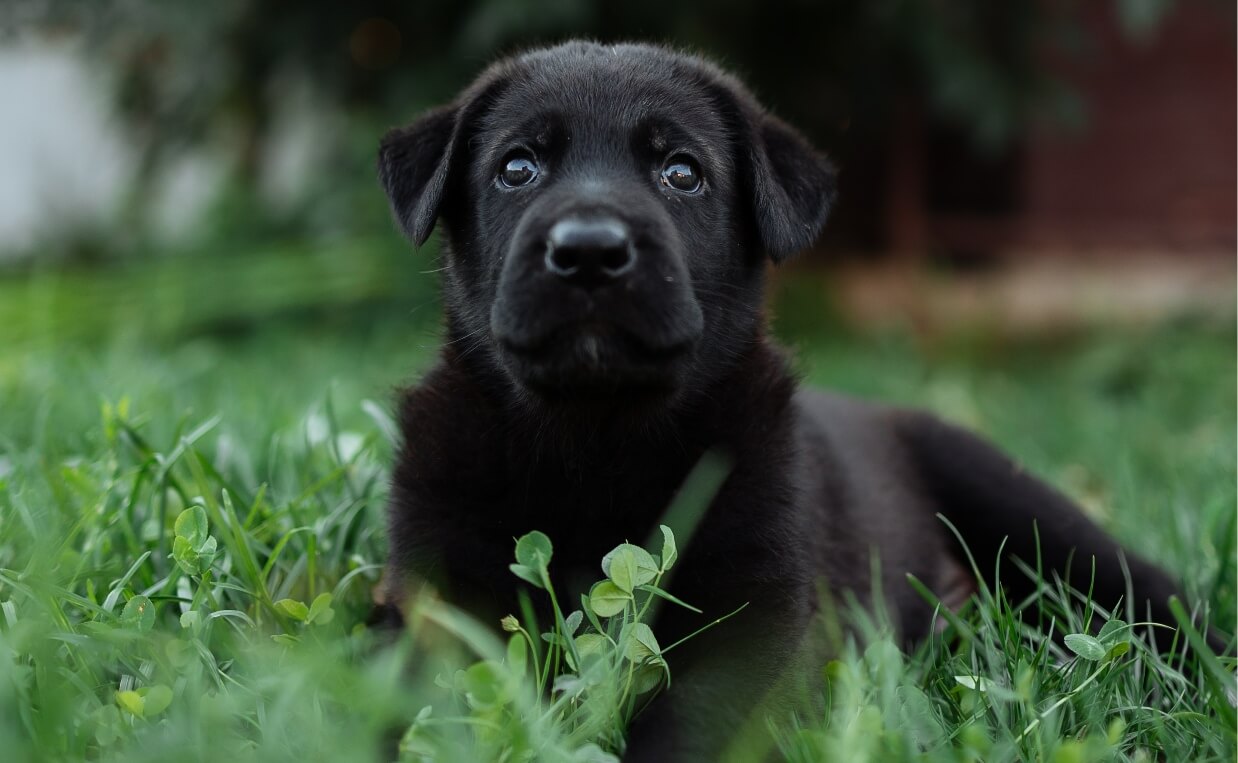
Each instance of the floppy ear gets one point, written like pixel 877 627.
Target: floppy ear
pixel 413 163
pixel 792 187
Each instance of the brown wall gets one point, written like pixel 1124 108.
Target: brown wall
pixel 1155 161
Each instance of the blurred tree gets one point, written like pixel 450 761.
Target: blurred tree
pixel 849 71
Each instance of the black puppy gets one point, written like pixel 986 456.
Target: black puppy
pixel 608 213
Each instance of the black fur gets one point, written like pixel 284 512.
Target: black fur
pixel 579 411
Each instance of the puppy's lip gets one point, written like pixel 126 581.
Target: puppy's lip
pixel 599 331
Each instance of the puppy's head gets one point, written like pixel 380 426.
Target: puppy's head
pixel 608 211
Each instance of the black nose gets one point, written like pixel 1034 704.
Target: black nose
pixel 589 252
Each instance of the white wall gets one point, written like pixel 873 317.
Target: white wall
pixel 62 159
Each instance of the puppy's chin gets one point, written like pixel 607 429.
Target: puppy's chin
pixel 595 363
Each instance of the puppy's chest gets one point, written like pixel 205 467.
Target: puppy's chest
pixel 591 503
pixel 584 521
pixel 589 509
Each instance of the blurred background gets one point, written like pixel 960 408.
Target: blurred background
pixel 172 167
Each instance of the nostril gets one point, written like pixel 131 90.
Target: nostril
pixel 563 262
pixel 616 261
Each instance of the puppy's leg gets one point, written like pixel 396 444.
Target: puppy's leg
pixel 725 682
pixel 991 500
pixel 387 614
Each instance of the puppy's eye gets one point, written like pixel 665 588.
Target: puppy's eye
pixel 518 169
pixel 681 174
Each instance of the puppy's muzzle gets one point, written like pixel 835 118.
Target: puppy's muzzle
pixel 590 252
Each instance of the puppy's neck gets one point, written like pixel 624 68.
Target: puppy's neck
pixel 753 388
pixel 466 437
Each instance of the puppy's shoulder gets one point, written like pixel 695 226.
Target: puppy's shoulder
pixel 446 420
pixel 839 415
pixel 852 434
pixel 848 416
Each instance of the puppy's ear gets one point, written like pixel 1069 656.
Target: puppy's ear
pixel 416 163
pixel 792 186
pixel 413 164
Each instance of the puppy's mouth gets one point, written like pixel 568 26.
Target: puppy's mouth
pixel 595 356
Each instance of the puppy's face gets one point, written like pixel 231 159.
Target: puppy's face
pixel 608 211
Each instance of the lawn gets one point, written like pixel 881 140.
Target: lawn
pixel 191 523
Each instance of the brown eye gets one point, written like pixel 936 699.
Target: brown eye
pixel 681 174
pixel 519 169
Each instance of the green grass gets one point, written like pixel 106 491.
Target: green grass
pixel 127 636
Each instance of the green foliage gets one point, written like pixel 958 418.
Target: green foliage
pixel 126 634
pixel 602 665
pixel 139 589
pixel 192 548
pixel 166 298
pixel 992 687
